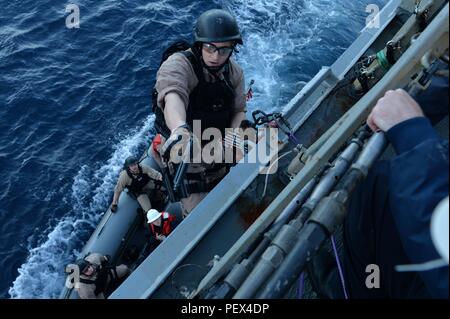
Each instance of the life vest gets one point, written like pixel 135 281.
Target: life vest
pixel 138 181
pixel 166 225
pixel 211 103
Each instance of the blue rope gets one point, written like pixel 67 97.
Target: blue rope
pixel 301 286
pixel 293 138
pixel 341 273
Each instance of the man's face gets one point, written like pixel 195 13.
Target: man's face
pixel 134 168
pixel 89 271
pixel 157 222
pixel 216 53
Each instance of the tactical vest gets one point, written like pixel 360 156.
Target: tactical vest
pixel 101 281
pixel 211 103
pixel 138 181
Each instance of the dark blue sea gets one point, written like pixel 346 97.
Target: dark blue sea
pixel 75 102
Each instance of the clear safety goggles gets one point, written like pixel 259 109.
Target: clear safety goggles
pixel 223 51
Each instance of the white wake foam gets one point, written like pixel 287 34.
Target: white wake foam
pixel 42 274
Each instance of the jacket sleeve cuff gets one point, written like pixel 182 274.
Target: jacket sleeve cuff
pixel 410 133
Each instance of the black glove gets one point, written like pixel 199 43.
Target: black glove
pixel 245 124
pixel 175 144
pixel 113 208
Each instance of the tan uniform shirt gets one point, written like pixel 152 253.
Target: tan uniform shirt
pixel 177 75
pixel 125 180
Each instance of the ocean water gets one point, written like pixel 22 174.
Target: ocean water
pixel 75 102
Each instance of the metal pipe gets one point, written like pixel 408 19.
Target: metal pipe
pixel 329 213
pixel 239 272
pixel 375 146
pixel 284 241
pixel 333 175
pixel 293 207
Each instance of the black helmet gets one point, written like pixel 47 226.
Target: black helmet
pixel 217 25
pixel 130 161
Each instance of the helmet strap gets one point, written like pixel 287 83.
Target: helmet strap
pixel 216 69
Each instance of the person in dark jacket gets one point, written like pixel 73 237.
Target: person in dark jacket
pixel 388 222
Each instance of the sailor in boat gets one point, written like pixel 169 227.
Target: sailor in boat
pixel 160 224
pixel 202 84
pixel 141 180
pixel 96 277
